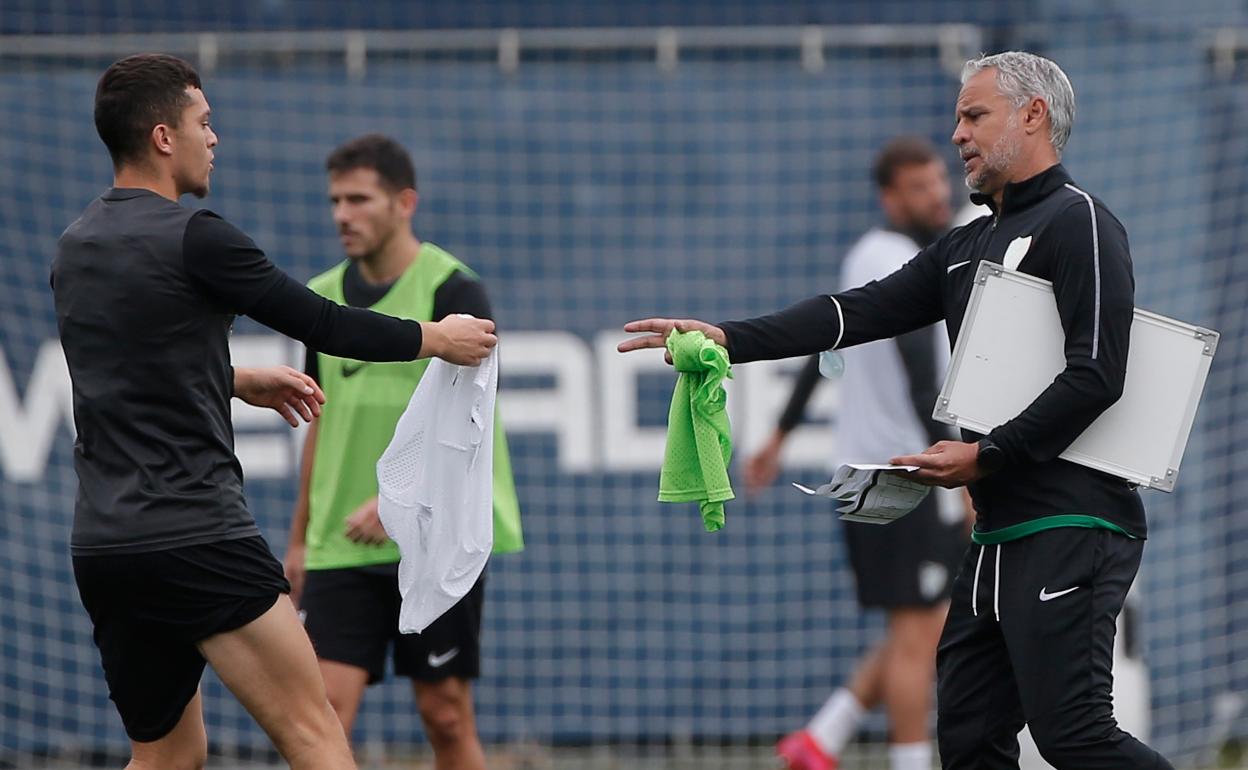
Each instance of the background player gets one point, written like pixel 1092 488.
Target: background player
pixel 342 565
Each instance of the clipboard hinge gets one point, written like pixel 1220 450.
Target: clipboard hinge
pixel 986 270
pixel 1164 484
pixel 1210 338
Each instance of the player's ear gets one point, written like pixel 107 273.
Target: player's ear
pixel 407 201
pixel 162 139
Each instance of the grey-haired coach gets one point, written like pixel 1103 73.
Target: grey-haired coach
pixel 1029 637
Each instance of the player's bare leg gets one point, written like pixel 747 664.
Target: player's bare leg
pixel 184 748
pixel 345 685
pixel 910 670
pixel 271 668
pixel 450 723
pixel 867 683
pixel 818 745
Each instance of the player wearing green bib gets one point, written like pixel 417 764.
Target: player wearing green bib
pixel 342 566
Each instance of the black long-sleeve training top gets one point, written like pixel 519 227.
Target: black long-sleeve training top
pixel 460 293
pixel 1078 245
pixel 146 292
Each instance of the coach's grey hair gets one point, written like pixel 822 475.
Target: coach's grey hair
pixel 1022 76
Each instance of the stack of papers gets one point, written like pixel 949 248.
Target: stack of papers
pixel 873 494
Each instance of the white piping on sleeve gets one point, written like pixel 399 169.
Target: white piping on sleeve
pixel 975 585
pixel 840 320
pixel 1096 268
pixel 996 588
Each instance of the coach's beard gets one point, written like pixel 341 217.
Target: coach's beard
pixel 998 160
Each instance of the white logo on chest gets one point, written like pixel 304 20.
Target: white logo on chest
pixel 1016 251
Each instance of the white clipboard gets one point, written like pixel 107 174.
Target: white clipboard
pixel 1011 346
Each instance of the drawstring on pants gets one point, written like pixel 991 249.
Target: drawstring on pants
pixel 996 585
pixel 996 588
pixel 975 583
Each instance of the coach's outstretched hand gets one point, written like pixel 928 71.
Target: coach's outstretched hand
pixel 459 339
pixel 659 328
pixel 287 391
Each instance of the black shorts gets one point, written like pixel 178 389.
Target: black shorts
pixel 150 610
pixel 352 617
pixel 908 563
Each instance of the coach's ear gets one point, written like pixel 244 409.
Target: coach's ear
pixel 1035 114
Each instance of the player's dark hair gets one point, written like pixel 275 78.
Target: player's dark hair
pixel 380 153
pixel 899 153
pixel 135 95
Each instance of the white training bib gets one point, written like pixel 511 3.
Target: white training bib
pixel 436 488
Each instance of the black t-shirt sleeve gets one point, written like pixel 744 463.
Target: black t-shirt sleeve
pixel 228 267
pixel 803 389
pixel 908 299
pixel 461 293
pixel 1095 292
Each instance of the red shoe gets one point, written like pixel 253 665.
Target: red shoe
pixel 800 752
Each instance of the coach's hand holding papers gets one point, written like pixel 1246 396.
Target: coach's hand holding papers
pixel 945 464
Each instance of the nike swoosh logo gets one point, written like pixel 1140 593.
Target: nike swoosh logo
pixel 349 369
pixel 953 267
pixel 438 661
pixel 1045 596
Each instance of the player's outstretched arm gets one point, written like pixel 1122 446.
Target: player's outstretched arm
pixel 226 266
